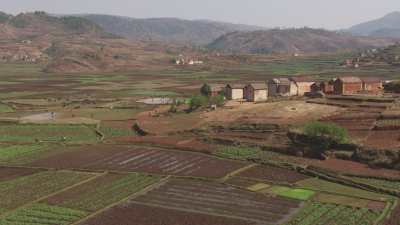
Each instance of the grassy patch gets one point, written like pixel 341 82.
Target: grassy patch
pixel 111 132
pixel 329 187
pixel 5 108
pixel 20 153
pixel 299 194
pixel 43 214
pixel 20 191
pixel 237 152
pixel 46 132
pixel 7 95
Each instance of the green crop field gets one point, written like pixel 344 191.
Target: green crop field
pixel 322 214
pixel 299 194
pixel 23 190
pixel 43 214
pixel 237 152
pixel 16 154
pixel 46 132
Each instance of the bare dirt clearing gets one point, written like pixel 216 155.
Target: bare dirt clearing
pixel 286 112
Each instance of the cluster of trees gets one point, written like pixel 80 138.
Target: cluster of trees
pixel 393 87
pixel 206 99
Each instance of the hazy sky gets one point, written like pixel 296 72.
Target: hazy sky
pixel 331 14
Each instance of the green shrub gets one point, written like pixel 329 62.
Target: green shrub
pixel 197 101
pixel 217 100
pixel 328 130
pixel 393 87
pixel 323 136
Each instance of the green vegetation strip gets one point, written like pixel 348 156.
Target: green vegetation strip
pixel 46 132
pixel 5 108
pixel 43 214
pixel 240 153
pixel 20 191
pixel 16 154
pixel 299 194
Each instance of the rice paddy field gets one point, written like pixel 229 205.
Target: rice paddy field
pixel 71 152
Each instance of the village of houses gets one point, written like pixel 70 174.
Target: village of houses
pixel 298 86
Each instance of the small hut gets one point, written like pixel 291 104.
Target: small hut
pixel 256 92
pixel 234 91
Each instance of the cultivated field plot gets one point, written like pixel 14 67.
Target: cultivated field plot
pixel 17 192
pixel 383 139
pixel 148 215
pixel 394 217
pixel 273 174
pixel 101 192
pixel 19 154
pixel 33 132
pixel 331 214
pixel 42 214
pixel 8 173
pixel 220 200
pixel 142 159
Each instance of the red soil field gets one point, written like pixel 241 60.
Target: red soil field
pixel 383 139
pixel 222 200
pixel 146 215
pixel 273 174
pixel 7 173
pixel 142 159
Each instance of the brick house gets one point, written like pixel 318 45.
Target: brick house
pixel 279 87
pixel 300 85
pixel 372 85
pixel 348 85
pixel 234 91
pixel 256 92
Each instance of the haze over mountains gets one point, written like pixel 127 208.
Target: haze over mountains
pixel 304 40
pixel 110 43
pixel 198 32
pixel 387 26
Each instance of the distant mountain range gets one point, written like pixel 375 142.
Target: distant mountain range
pixel 304 40
pixel 387 26
pixel 197 32
pixel 71 44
